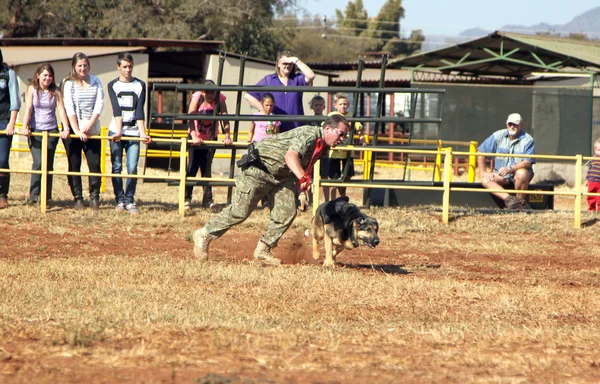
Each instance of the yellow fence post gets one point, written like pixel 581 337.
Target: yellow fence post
pixel 44 180
pixel 316 186
pixel 447 175
pixel 578 190
pixel 437 174
pixel 182 173
pixel 472 161
pixel 368 155
pixel 103 132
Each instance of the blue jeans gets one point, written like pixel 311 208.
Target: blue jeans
pixel 5 144
pixel 132 150
pixel 35 146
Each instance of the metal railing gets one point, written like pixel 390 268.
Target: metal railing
pixel 578 193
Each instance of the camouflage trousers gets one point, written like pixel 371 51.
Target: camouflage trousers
pixel 252 185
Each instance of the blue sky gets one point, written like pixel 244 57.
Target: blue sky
pixel 437 17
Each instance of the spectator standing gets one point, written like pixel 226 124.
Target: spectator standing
pixel 204 103
pixel 260 130
pixel 592 179
pixel 286 75
pixel 10 103
pixel 317 104
pixel 339 159
pixel 127 96
pixel 84 101
pixel 42 100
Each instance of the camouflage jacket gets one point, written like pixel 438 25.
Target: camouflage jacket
pixel 272 150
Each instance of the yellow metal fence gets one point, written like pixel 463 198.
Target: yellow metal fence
pixel 446 154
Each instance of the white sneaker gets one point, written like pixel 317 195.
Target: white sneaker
pixel 132 208
pixel 120 207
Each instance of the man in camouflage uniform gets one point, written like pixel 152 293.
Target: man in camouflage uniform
pixel 283 159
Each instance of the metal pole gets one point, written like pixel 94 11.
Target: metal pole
pixel 103 132
pixel 392 127
pixel 472 161
pixel 378 111
pixel 316 186
pixel 578 190
pixel 44 187
pixel 446 196
pixel 236 124
pixel 346 170
pixel 182 176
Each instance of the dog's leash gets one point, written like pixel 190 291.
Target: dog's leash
pixel 306 180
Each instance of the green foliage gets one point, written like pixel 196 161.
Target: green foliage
pixel 245 26
pixel 317 41
pixel 354 20
pixel 242 24
pixel 253 39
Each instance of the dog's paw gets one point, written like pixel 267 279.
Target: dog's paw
pixel 328 264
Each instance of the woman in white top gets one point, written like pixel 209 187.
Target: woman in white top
pixel 84 100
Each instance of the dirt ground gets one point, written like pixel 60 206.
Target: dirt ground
pixel 28 359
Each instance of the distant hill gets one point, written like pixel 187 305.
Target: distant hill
pixel 474 32
pixel 588 23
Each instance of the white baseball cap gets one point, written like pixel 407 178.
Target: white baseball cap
pixel 514 118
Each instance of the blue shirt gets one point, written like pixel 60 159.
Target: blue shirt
pixel 500 142
pixel 287 102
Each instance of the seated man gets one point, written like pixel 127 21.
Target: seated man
pixel 508 171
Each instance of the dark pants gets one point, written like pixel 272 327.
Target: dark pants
pixel 200 159
pixel 35 146
pixel 91 148
pixel 5 144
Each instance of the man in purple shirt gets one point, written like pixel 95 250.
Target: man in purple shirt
pixel 286 103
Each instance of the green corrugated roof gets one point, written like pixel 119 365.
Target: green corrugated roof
pixel 582 50
pixel 509 55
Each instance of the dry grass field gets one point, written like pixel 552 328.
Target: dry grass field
pixel 112 298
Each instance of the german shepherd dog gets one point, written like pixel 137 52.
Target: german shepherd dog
pixel 341 225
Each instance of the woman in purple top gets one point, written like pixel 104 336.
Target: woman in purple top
pixel 286 75
pixel 43 100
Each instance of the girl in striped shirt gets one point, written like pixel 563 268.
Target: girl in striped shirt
pixel 84 100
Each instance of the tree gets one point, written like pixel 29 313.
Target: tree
pixel 241 24
pixel 354 20
pixel 386 25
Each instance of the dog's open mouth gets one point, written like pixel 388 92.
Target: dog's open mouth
pixel 370 243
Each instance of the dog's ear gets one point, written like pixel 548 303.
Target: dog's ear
pixel 376 223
